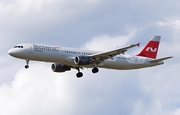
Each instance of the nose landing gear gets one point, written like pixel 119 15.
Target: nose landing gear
pixel 27 62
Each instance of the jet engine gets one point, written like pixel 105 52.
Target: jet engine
pixel 82 60
pixel 60 67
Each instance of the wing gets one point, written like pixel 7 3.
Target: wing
pixel 100 57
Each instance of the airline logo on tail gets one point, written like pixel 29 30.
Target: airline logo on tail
pixel 151 49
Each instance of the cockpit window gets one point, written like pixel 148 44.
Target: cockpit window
pixel 18 46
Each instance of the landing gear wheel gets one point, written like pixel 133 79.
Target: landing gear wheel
pixel 79 74
pixel 26 66
pixel 27 62
pixel 95 70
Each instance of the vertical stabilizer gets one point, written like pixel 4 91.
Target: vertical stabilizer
pixel 151 49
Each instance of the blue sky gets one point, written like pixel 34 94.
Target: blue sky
pixel 89 24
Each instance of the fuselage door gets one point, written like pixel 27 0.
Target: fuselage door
pixel 61 52
pixel 30 48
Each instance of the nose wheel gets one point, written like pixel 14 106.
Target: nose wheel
pixel 26 66
pixel 27 62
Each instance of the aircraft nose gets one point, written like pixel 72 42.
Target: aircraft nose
pixel 11 52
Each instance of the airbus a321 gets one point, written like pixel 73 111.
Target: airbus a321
pixel 65 59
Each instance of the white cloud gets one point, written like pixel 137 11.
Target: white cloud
pixel 174 25
pixel 44 9
pixel 30 21
pixel 170 46
pixel 106 42
pixel 35 92
pixel 176 112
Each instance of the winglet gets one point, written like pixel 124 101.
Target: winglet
pixel 138 44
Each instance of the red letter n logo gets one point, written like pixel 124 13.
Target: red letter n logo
pixel 151 49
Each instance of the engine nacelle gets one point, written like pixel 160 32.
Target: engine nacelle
pixel 82 60
pixel 60 67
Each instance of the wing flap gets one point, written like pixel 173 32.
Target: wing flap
pixel 159 60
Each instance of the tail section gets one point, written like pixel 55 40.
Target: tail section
pixel 151 49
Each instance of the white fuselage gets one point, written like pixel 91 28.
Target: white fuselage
pixel 63 55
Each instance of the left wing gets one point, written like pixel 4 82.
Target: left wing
pixel 100 57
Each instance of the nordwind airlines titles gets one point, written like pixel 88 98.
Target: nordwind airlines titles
pixel 65 59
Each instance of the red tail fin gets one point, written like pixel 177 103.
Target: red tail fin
pixel 151 49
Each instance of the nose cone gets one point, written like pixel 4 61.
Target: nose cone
pixel 12 52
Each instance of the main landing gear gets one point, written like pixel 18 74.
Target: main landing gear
pixel 27 62
pixel 80 74
pixel 95 70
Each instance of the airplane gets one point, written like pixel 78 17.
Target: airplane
pixel 64 59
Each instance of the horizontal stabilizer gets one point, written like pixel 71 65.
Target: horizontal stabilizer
pixel 159 60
